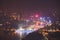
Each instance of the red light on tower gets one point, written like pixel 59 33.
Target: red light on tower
pixel 36 15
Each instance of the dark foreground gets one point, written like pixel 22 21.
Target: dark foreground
pixel 8 35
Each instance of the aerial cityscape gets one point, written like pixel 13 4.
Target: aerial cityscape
pixel 18 19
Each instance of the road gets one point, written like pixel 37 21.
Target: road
pixel 9 34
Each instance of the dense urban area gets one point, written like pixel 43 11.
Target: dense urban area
pixel 28 19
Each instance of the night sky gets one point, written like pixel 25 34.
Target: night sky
pixel 29 7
